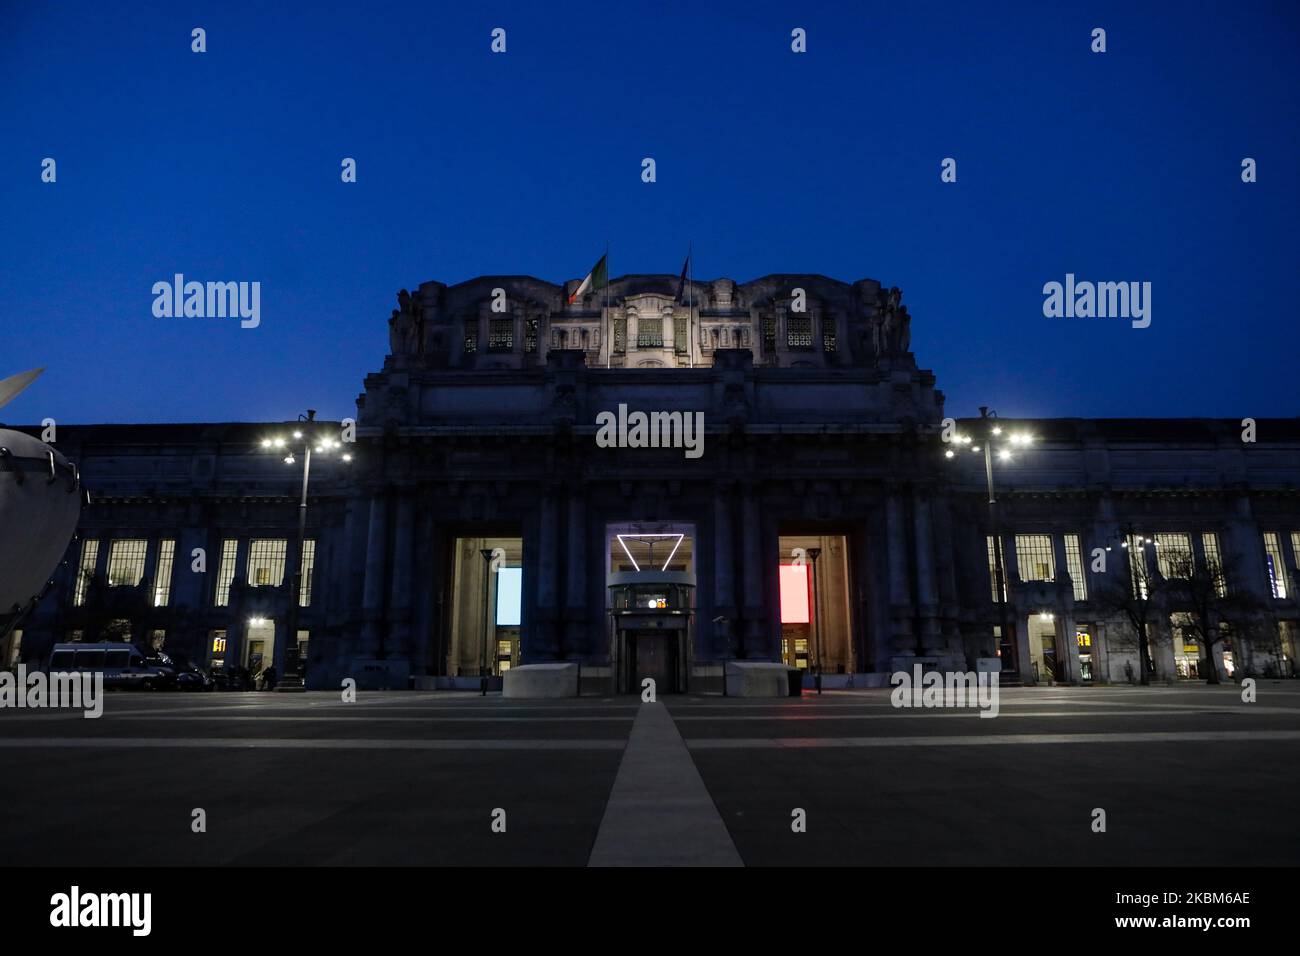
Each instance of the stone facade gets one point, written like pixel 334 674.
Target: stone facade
pixel 480 433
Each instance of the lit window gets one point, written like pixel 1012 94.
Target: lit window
pixel 1035 558
pixel 305 569
pixel 1214 563
pixel 501 334
pixel 1275 565
pixel 85 570
pixel 993 568
pixel 650 333
pixel 1137 567
pixel 266 561
pixel 798 331
pixel 162 585
pixel 1074 565
pixel 1174 555
pixel 226 573
pixel 126 562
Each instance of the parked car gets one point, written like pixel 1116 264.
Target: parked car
pixel 123 665
pixel 231 678
pixel 178 672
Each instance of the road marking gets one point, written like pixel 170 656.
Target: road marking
pixel 659 811
pixel 242 743
pixel 385 719
pixel 809 743
pixel 974 712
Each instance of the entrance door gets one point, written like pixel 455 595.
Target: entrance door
pixel 652 656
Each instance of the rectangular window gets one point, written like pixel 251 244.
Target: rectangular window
pixel 1137 566
pixel 681 340
pixel 305 569
pixel 85 570
pixel 1174 555
pixel 162 580
pixel 126 562
pixel 993 569
pixel 1214 563
pixel 798 331
pixel 650 333
pixel 471 337
pixel 501 334
pixel 266 561
pixel 1275 566
pixel 226 573
pixel 1074 565
pixel 767 327
pixel 620 334
pixel 1035 557
pixel 829 340
pixel 530 335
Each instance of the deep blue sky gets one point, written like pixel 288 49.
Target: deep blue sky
pixel 225 165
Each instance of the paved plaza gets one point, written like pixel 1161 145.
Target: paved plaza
pixel 1187 775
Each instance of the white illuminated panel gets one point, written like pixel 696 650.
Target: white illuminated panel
pixel 510 595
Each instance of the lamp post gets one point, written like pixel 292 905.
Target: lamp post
pixel 482 658
pixel 816 553
pixel 322 444
pixel 995 435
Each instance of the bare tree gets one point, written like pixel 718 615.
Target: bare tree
pixel 1134 595
pixel 1210 608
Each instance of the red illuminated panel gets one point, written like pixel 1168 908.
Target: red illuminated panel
pixel 794 594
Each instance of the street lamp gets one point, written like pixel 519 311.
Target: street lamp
pixel 321 443
pixel 995 436
pixel 816 553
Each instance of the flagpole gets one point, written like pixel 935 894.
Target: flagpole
pixel 690 309
pixel 609 351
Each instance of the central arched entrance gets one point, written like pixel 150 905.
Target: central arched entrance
pixel 651 585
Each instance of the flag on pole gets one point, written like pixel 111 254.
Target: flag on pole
pixel 596 280
pixel 681 282
pixel 11 386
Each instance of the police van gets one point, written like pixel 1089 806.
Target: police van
pixel 122 665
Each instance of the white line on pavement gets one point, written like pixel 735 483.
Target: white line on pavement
pixel 806 743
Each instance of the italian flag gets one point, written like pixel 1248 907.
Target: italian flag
pixel 596 279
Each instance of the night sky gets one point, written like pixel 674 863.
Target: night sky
pixel 1122 166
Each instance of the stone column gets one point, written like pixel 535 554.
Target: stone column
pixel 576 624
pixel 926 591
pixel 403 555
pixel 544 641
pixel 724 602
pixel 373 591
pixel 752 602
pixel 900 604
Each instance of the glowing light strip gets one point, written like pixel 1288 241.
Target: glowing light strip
pixel 680 536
